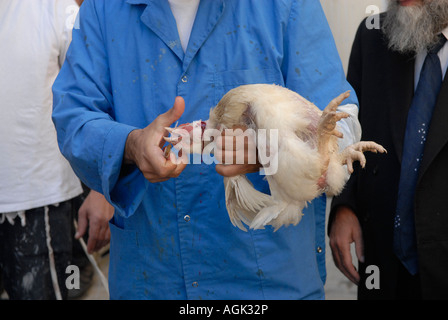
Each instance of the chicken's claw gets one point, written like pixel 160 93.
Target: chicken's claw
pixel 330 116
pixel 327 123
pixel 176 135
pixel 356 151
pixel 336 102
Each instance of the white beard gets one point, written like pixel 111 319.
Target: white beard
pixel 415 28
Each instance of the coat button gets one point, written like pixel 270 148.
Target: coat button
pixel 184 79
pixel 195 284
pixel 187 218
pixel 319 249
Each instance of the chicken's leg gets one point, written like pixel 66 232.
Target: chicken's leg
pixel 326 128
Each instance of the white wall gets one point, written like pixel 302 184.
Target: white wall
pixel 344 17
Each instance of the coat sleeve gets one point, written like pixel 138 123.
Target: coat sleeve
pixel 88 136
pixel 312 66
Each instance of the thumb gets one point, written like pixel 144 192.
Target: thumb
pixel 359 246
pixel 168 118
pixel 82 224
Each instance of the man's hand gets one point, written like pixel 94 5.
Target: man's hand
pixel 144 147
pixel 95 212
pixel 345 230
pixel 236 150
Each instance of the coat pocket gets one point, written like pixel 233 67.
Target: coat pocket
pixel 125 265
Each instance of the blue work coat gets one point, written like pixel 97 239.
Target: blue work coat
pixel 125 66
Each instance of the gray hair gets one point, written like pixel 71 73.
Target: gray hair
pixel 412 29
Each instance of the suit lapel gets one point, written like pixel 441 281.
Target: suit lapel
pixel 158 17
pixel 438 131
pixel 209 14
pixel 401 82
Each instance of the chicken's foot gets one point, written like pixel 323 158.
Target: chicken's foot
pixel 355 152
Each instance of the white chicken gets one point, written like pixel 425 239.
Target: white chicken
pixel 309 163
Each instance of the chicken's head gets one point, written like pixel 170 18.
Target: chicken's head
pixel 188 136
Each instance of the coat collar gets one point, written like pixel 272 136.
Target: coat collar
pixel 208 16
pixel 158 17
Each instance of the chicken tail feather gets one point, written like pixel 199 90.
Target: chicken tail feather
pixel 278 215
pixel 292 214
pixel 243 201
pixel 266 215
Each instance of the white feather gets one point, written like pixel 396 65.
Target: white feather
pixel 308 159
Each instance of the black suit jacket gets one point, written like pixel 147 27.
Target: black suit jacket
pixel 384 83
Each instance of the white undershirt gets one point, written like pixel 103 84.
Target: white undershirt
pixel 184 12
pixel 443 55
pixel 33 41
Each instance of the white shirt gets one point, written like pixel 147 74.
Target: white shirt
pixel 421 56
pixel 184 12
pixel 34 38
